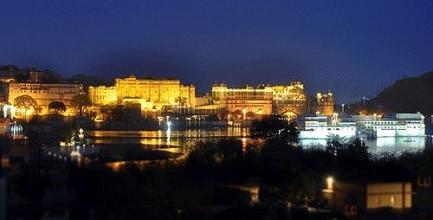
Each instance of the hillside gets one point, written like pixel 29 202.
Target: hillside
pixel 407 95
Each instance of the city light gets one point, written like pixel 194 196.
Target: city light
pixel 330 183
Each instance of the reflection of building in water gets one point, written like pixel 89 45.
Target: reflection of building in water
pixel 44 94
pixel 396 144
pixel 323 103
pixel 149 93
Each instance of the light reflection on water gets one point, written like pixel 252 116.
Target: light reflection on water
pixel 178 139
pixel 379 145
pixel 169 138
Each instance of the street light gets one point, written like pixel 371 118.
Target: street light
pixel 330 182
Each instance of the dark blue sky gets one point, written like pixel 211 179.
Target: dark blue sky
pixel 354 48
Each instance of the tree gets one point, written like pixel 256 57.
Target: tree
pixel 25 103
pixel 81 101
pixel 57 106
pixel 250 115
pixel 181 101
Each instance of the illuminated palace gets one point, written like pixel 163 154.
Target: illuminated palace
pixel 289 100
pixel 323 104
pixel 248 100
pixel 43 94
pixel 149 93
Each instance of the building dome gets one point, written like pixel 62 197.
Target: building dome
pixel 15 129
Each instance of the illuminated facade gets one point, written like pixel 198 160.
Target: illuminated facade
pixel 243 101
pixel 289 100
pixel 44 94
pixel 103 95
pixel 324 104
pixel 149 93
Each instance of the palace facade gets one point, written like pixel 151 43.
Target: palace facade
pixel 243 101
pixel 324 104
pixel 149 93
pixel 44 94
pixel 289 100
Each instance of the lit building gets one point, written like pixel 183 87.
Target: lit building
pixel 103 95
pixel 44 94
pixel 393 125
pixel 358 197
pixel 244 102
pixel 323 127
pixel 323 103
pixel 149 93
pixel 289 100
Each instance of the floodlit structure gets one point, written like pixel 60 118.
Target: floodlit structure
pixel 43 94
pixel 243 101
pixel 394 125
pixel 322 127
pixel 8 111
pixel 103 95
pixel 289 100
pixel 151 94
pixel 324 103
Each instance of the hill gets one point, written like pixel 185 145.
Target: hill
pixel 412 94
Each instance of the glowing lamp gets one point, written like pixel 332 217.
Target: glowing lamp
pixel 330 183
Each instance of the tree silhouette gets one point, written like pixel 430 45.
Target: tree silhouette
pixel 25 103
pixel 81 101
pixel 57 106
pixel 181 102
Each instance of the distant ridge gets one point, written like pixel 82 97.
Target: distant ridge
pixel 413 94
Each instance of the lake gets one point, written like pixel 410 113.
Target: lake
pixel 177 139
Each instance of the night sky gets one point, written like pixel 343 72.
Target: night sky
pixel 354 48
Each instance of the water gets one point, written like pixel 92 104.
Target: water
pixel 164 138
pixel 394 145
pixel 178 139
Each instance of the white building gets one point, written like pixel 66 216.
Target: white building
pixel 321 127
pixel 395 125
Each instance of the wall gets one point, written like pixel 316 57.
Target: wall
pixel 44 94
pixel 103 95
pixel 157 92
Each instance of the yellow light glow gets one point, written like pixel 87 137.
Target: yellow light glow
pixel 330 183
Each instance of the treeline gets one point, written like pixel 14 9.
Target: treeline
pixel 284 172
pixel 50 76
